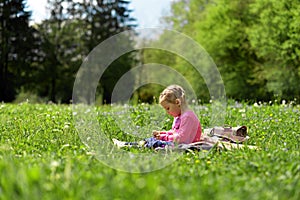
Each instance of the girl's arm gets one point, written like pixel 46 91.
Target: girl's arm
pixel 161 135
pixel 165 135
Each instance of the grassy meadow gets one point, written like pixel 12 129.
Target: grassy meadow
pixel 42 157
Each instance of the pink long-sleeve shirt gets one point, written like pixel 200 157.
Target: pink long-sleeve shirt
pixel 186 129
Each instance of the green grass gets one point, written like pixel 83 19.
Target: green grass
pixel 42 157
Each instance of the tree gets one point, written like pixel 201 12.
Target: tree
pixel 220 27
pixel 17 47
pixel 176 69
pixel 255 44
pixel 103 19
pixel 222 32
pixel 63 52
pixel 274 34
pixel 71 32
pixel 184 15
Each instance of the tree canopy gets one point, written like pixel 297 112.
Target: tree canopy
pixel 17 47
pixel 254 44
pixel 61 42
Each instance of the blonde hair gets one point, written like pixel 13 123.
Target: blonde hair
pixel 171 93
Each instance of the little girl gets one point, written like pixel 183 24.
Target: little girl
pixel 186 127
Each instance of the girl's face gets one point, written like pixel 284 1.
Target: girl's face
pixel 172 109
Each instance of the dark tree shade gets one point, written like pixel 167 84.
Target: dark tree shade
pixel 16 38
pixel 45 60
pixel 71 32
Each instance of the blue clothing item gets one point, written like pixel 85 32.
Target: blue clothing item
pixel 154 143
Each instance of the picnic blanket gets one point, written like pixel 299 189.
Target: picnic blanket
pixel 219 137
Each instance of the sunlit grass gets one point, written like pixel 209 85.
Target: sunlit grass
pixel 42 157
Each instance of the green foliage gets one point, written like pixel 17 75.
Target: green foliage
pixel 101 20
pixel 220 29
pixel 274 34
pixel 254 43
pixel 45 61
pixel 178 69
pixel 42 157
pixel 18 47
pixel 71 32
pixel 63 53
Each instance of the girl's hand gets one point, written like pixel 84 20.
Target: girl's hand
pixel 156 134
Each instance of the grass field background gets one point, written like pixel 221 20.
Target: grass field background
pixel 42 157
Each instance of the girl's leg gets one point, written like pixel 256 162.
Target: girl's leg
pixel 154 143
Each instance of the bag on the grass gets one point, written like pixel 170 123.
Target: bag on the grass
pixel 234 134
